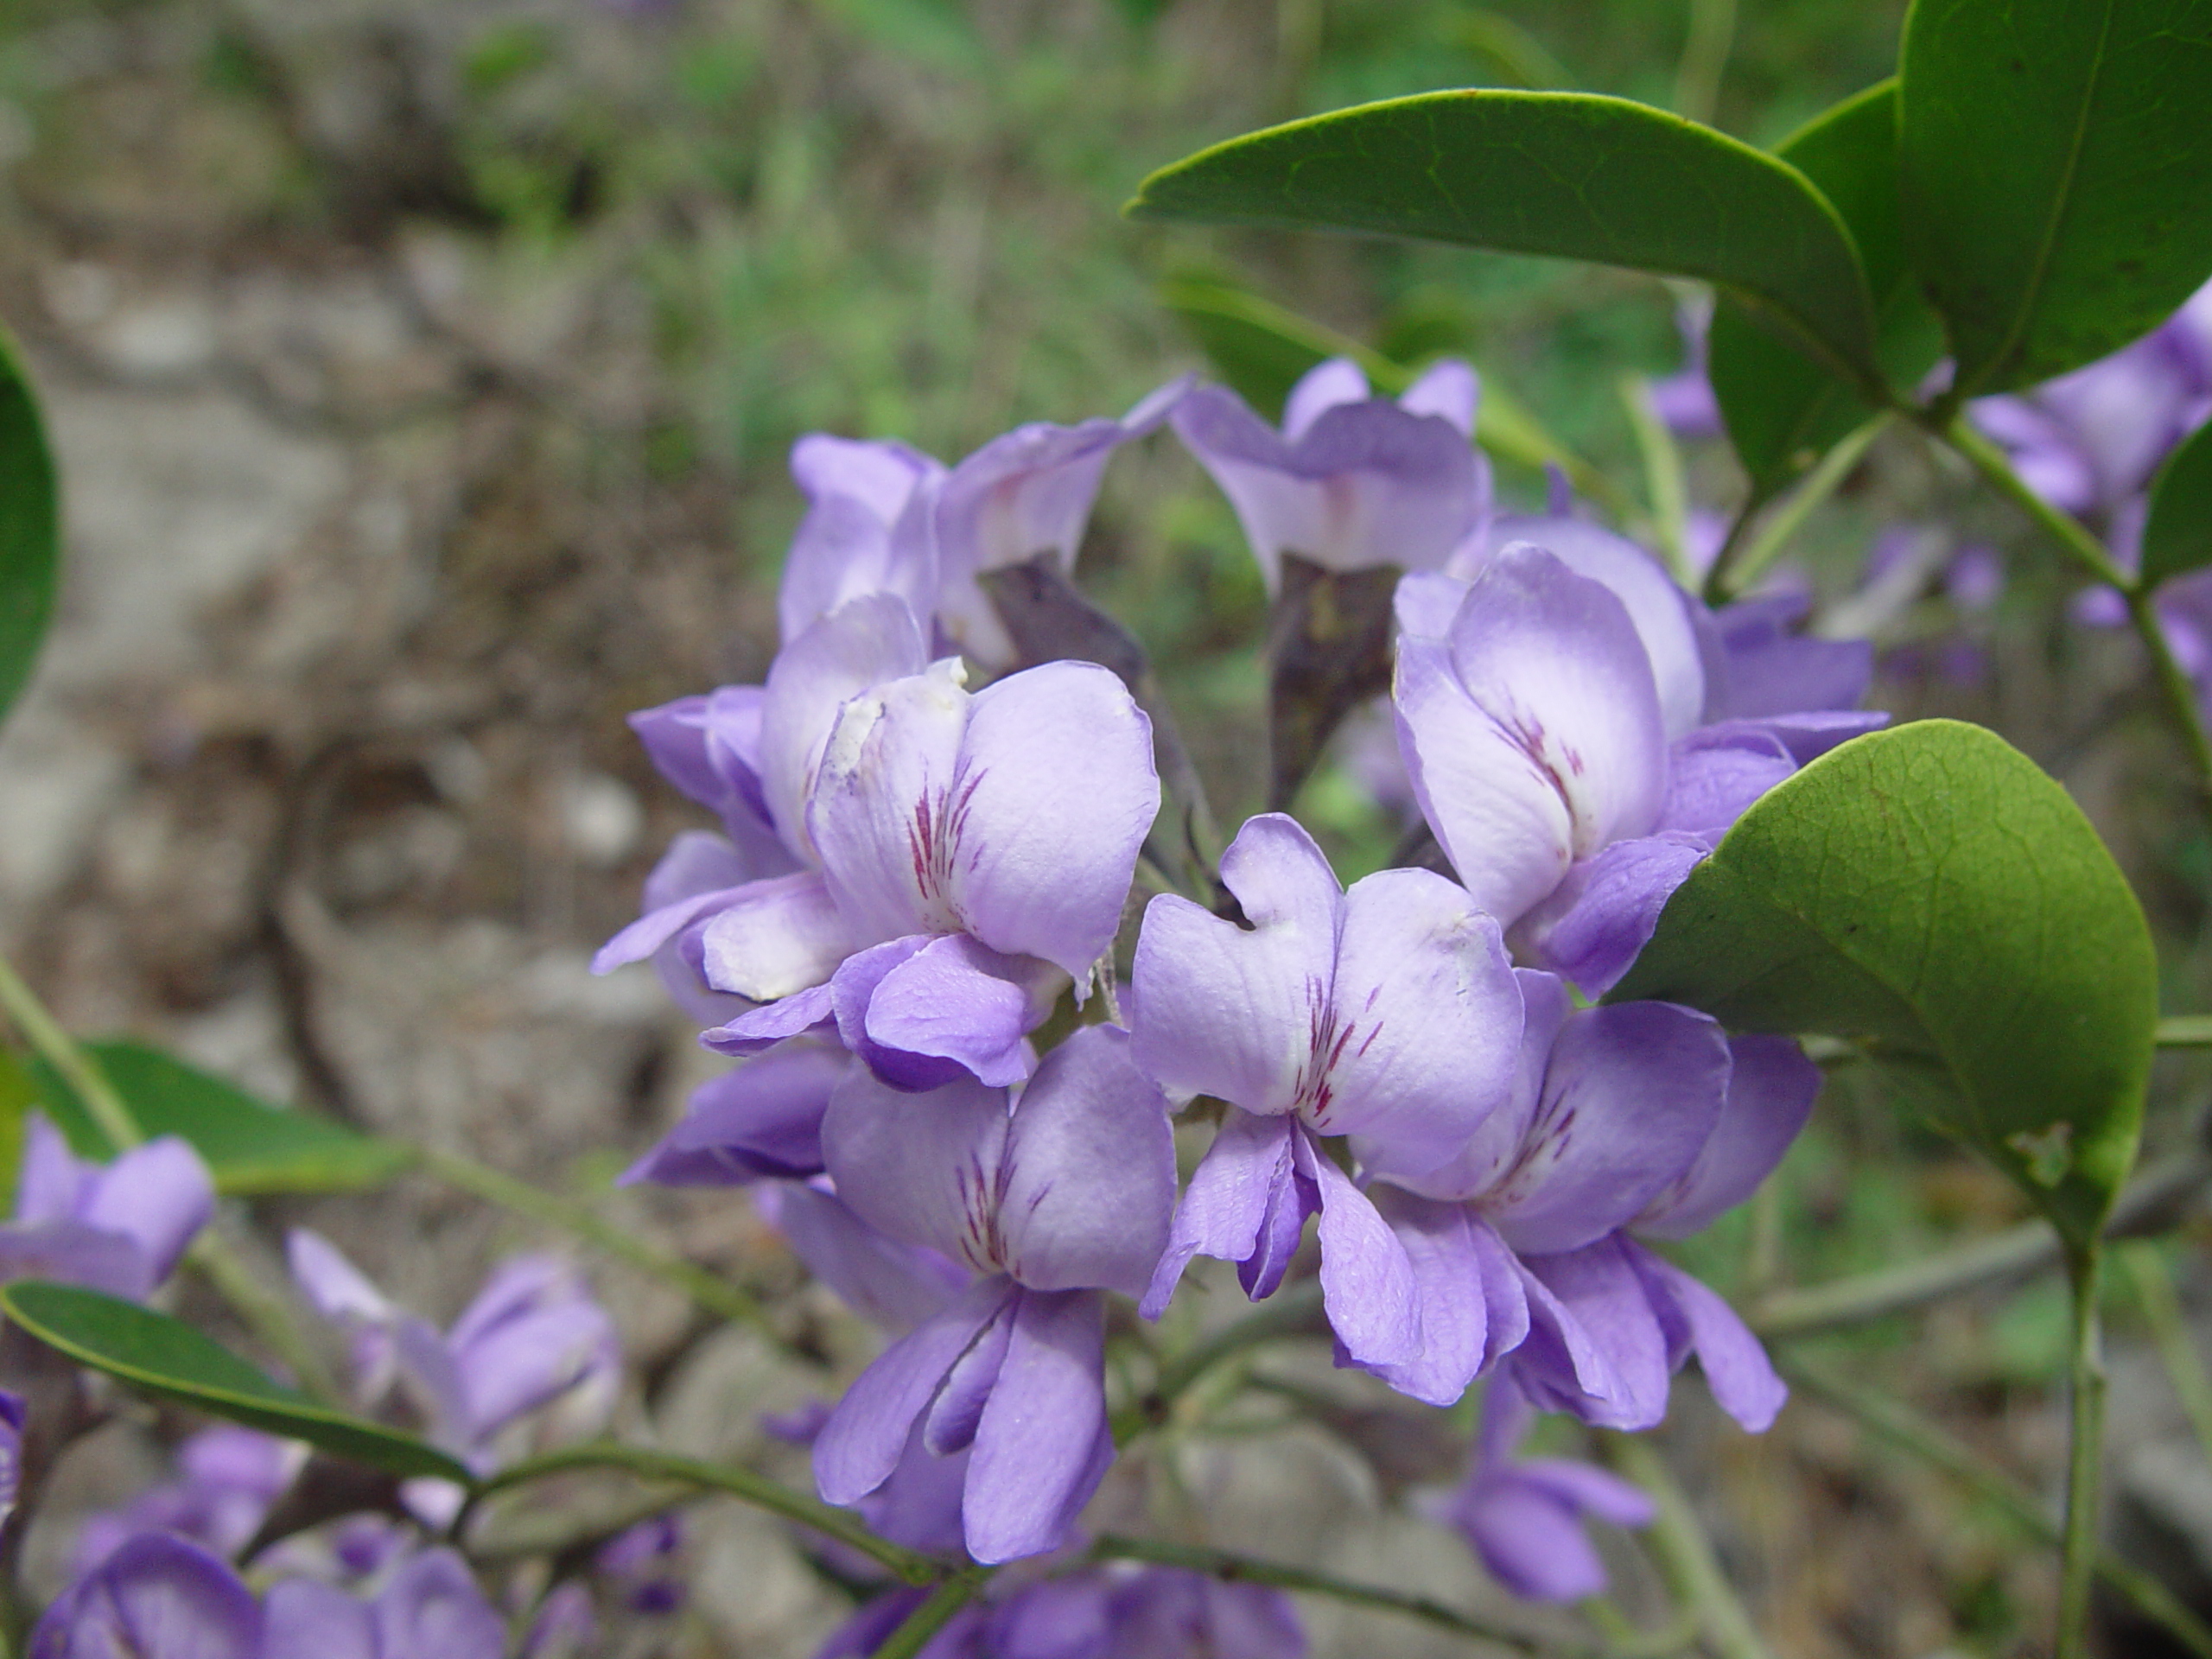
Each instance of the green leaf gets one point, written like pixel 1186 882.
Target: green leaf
pixel 250 1146
pixel 2177 535
pixel 1929 891
pixel 30 527
pixel 165 1357
pixel 1566 174
pixel 1784 410
pixel 2054 159
pixel 18 1097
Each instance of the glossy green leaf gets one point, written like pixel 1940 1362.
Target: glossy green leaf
pixel 250 1146
pixel 1566 174
pixel 1784 410
pixel 30 527
pixel 2178 535
pixel 1929 891
pixel 2055 160
pixel 1260 349
pixel 165 1357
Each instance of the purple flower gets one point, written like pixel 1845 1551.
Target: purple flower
pixel 893 1284
pixel 1551 732
pixel 118 1227
pixel 1635 1116
pixel 565 1626
pixel 869 528
pixel 1068 1194
pixel 1524 1517
pixel 643 1561
pixel 1155 1612
pixel 1386 1012
pixel 1684 399
pixel 11 1450
pixel 430 1609
pixel 1164 1612
pixel 762 1120
pixel 228 1479
pixel 533 1339
pixel 1351 480
pixel 976 853
pixel 156 1597
pixel 1027 492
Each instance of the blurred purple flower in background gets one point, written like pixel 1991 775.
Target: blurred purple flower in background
pixel 1525 1517
pixel 1113 1612
pixel 228 1477
pixel 156 1597
pixel 12 1409
pixel 1389 1012
pixel 1351 480
pixel 120 1227
pixel 1068 1194
pixel 429 1608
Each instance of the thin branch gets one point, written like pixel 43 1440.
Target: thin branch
pixel 1907 1429
pixel 2085 1461
pixel 2151 1203
pixel 1685 1553
pixel 758 1489
pixel 1743 561
pixel 1233 1568
pixel 2185 1030
pixel 710 1291
pixel 935 1611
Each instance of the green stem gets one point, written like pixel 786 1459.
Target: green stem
pixel 1662 476
pixel 710 1291
pixel 1908 1430
pixel 263 1311
pixel 2085 1460
pixel 757 1490
pixel 1705 57
pixel 1244 1569
pixel 1685 1554
pixel 1290 1312
pixel 2150 1204
pixel 933 1615
pixel 2173 685
pixel 2185 1366
pixel 2185 1030
pixel 1743 561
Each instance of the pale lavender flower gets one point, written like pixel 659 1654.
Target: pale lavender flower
pixel 976 852
pixel 1631 1117
pixel 642 1562
pixel 1164 1612
pixel 1027 492
pixel 1068 1194
pixel 889 1282
pixel 1684 399
pixel 534 1341
pixel 228 1478
pixel 431 1608
pixel 1151 1612
pixel 1525 1518
pixel 119 1226
pixel 761 1121
pixel 869 528
pixel 157 1597
pixel 1351 480
pixel 1389 1012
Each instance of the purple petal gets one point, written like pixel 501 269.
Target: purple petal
pixel 948 1427
pixel 853 990
pixel 158 1196
pixel 1422 1034
pixel 1426 602
pixel 1772 1088
pixel 1060 1619
pixel 1090 1170
pixel 1229 1011
pixel 1662 613
pixel 1228 1200
pixel 662 923
pixel 757 1030
pixel 1592 929
pixel 1589 1490
pixel 920 1505
pixel 1765 668
pixel 1167 1613
pixel 1736 1367
pixel 1531 1542
pixel 1716 774
pixel 1055 793
pixel 1806 737
pixel 762 1119
pixel 892 1285
pixel 74 1254
pixel 925 1168
pixel 529 1360
pixel 1328 384
pixel 157 1596
pixel 53 1182
pixel 956 1000
pixel 865 643
pixel 308 1620
pixel 334 1287
pixel 866 1435
pixel 433 1610
pixel 1630 1097
pixel 1595 1347
pixel 774 937
pixel 709 748
pixel 865 532
pixel 1448 1287
pixel 1495 1146
pixel 1367 1278
pixel 1448 388
pixel 697 862
pixel 1038 1455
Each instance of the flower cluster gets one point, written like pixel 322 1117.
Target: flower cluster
pixel 927 851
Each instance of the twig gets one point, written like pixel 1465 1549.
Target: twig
pixel 936 1612
pixel 2148 1205
pixel 1744 560
pixel 1244 1569
pixel 1907 1429
pixel 710 1291
pixel 758 1489
pixel 2077 1567
pixel 1685 1553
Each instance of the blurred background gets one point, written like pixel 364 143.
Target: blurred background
pixel 423 375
